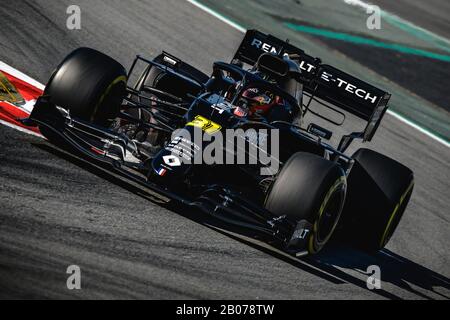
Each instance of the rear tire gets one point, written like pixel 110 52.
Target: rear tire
pixel 90 84
pixel 379 190
pixel 166 82
pixel 310 188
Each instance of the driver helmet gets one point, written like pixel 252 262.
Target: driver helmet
pixel 259 102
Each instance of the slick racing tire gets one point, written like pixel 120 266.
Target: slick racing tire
pixel 379 190
pixel 90 85
pixel 172 84
pixel 310 188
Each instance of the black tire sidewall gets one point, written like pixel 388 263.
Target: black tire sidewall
pixel 376 186
pixel 315 244
pixel 84 84
pixel 300 189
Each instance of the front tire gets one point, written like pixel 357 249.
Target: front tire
pixel 310 189
pixel 90 84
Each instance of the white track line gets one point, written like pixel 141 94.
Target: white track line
pixel 366 5
pixel 217 15
pixel 13 126
pixel 419 128
pixel 392 113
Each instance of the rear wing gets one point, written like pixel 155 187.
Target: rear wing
pixel 322 81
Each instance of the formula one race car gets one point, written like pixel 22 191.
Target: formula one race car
pixel 234 144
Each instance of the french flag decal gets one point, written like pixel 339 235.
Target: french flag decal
pixel 161 172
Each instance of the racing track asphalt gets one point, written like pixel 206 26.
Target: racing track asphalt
pixel 431 15
pixel 56 211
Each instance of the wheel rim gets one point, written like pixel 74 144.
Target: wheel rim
pixel 330 216
pixel 396 216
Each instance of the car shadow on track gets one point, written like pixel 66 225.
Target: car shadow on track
pixel 331 264
pixel 395 270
